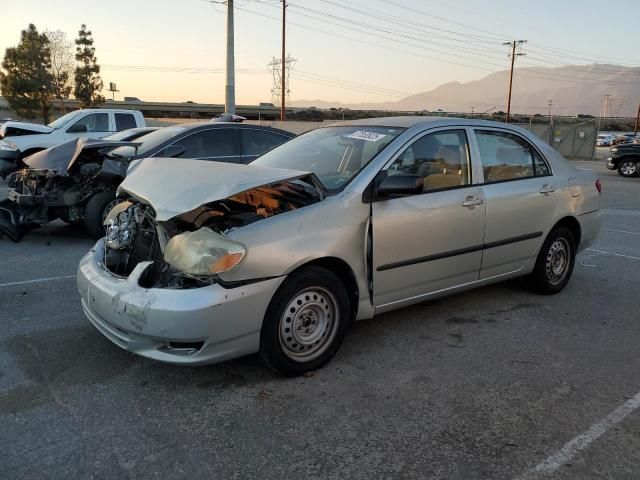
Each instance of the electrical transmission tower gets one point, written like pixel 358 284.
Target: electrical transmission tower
pixel 275 66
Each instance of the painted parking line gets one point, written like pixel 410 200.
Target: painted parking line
pixel 604 252
pixel 621 231
pixel 36 280
pixel 582 441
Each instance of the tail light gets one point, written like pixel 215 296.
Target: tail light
pixel 598 186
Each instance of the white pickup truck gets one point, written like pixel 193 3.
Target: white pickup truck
pixel 18 140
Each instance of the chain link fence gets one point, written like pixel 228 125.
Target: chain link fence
pixel 576 141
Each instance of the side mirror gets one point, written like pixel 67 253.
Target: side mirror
pixel 77 128
pixel 173 151
pixel 400 184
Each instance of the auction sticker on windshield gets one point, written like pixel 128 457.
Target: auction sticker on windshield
pixel 368 136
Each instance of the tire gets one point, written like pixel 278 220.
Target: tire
pixel 305 322
pixel 555 262
pixel 627 168
pixel 95 211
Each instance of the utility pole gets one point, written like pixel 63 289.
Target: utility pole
pixel 514 44
pixel 284 63
pixel 472 111
pixel 606 106
pixel 230 87
pixel 635 129
pixel 550 104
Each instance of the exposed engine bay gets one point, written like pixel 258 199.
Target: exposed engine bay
pixel 134 236
pixel 58 183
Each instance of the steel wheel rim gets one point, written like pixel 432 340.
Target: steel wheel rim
pixel 309 324
pixel 558 261
pixel 628 168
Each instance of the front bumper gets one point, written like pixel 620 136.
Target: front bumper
pixel 189 327
pixel 610 164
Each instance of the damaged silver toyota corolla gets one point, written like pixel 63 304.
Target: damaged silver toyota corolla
pixel 215 261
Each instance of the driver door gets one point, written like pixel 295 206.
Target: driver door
pixel 431 241
pixel 92 125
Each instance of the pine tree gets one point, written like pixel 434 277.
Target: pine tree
pixel 88 83
pixel 28 83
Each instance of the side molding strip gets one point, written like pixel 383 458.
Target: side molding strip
pixel 461 251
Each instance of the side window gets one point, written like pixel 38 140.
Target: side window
pixel 257 142
pixel 506 156
pixel 441 159
pixel 124 121
pixel 95 122
pixel 216 142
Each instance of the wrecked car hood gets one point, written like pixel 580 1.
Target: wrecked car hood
pixel 61 157
pixel 173 186
pixel 23 128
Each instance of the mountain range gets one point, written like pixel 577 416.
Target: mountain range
pixel 572 90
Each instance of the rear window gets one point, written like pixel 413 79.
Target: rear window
pixel 124 121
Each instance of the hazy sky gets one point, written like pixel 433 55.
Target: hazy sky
pixel 408 52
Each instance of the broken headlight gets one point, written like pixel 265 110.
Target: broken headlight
pixel 120 226
pixel 203 253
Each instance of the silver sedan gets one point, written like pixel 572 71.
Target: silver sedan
pixel 211 261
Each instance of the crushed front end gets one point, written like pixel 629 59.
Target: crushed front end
pixel 157 288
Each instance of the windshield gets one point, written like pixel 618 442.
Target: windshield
pixel 63 120
pixel 149 142
pixel 334 154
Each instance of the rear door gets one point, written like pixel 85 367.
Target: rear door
pixel 519 190
pixel 124 121
pixel 254 142
pixel 220 144
pixel 433 240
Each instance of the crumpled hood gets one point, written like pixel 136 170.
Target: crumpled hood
pixel 173 185
pixel 25 126
pixel 62 157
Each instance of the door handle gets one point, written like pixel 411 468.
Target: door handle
pixel 547 189
pixel 471 202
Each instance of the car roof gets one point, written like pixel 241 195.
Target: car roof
pixel 203 125
pixel 412 121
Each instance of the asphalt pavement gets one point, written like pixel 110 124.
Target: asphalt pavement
pixel 496 383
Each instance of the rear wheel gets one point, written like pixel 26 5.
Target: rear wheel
pixel 555 262
pixel 305 322
pixel 96 211
pixel 627 168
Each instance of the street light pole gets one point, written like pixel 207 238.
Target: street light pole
pixel 230 88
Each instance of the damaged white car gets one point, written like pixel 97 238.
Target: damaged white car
pixel 216 261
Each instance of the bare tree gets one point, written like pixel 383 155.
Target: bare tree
pixel 62 65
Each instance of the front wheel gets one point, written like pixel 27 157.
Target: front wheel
pixel 305 322
pixel 627 168
pixel 555 262
pixel 96 211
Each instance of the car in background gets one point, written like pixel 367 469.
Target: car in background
pixel 604 140
pixel 620 139
pixel 624 158
pixel 77 181
pixel 344 222
pixel 130 134
pixel 18 140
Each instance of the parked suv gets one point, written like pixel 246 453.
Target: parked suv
pixel 624 158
